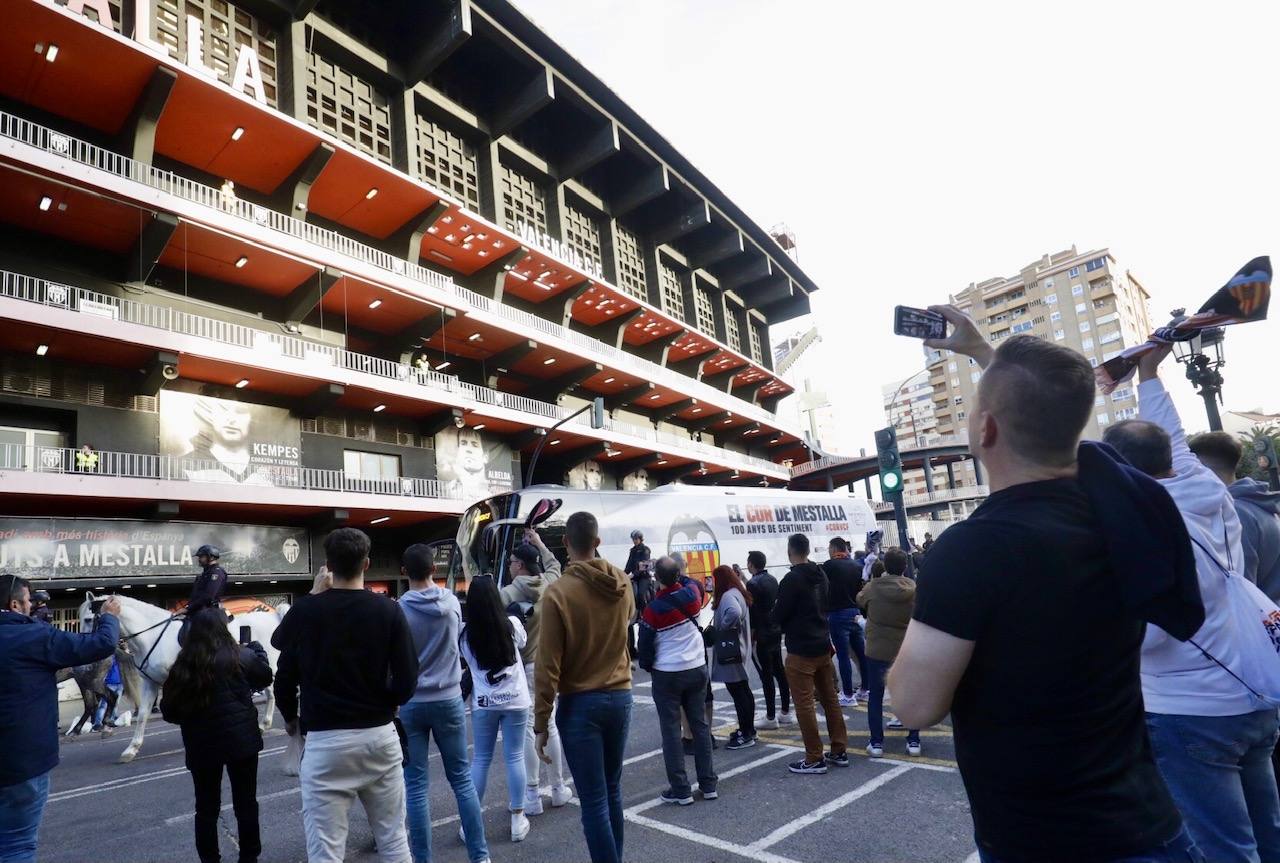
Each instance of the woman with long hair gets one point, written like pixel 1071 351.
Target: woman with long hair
pixel 209 693
pixel 731 602
pixel 491 642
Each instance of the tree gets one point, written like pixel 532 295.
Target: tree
pixel 1249 458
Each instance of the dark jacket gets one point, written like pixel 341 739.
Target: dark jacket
pixel 226 728
pixel 32 653
pixel 844 580
pixel 638 554
pixel 1259 511
pixel 802 596
pixel 764 595
pixel 207 589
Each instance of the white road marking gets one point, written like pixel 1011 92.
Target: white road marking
pixel 823 811
pixel 126 781
pixel 973 858
pixel 177 819
pixel 780 751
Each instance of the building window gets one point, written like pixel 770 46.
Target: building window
pixel 1073 272
pixel 1081 308
pixel 33 449
pixel 1055 316
pixel 1093 361
pixel 1048 285
pixel 348 107
pixel 1086 345
pixel 1126 414
pixel 630 261
pixel 1103 419
pixel 672 291
pixel 973 376
pixel 1099 401
pixel 961 415
pixel 1051 299
pixel 1084 326
pixel 1122 394
pixel 448 162
pixel 1022 327
pixel 754 333
pixel 955 382
pixel 224 27
pixel 731 313
pixel 959 400
pixel 1059 335
pixel 1109 338
pixel 1095 264
pixel 1077 290
pixel 582 233
pixel 523 201
pixel 972 361
pixel 704 310
pixel 951 366
pixel 370 465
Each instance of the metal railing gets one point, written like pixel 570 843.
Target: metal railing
pixel 82 152
pixel 44 292
pixel 837 460
pixel 963 492
pixel 128 465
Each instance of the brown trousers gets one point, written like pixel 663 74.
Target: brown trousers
pixel 807 675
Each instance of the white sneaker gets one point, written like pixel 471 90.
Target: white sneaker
pixel 766 724
pixel 785 718
pixel 519 827
pixel 913 749
pixel 895 722
pixel 875 750
pixel 560 795
pixel 848 700
pixel 532 801
pixel 462 836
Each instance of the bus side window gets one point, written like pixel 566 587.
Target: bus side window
pixel 552 533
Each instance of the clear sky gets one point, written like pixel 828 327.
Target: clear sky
pixel 917 147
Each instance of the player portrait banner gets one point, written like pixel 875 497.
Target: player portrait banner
pixel 1243 299
pixel 472 466
pixel 220 440
pixel 58 548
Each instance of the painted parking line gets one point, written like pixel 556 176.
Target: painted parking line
pixel 127 781
pixel 919 760
pixel 826 809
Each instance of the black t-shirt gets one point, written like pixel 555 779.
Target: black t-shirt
pixel 844 580
pixel 351 654
pixel 1049 728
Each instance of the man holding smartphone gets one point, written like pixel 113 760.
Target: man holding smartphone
pixel 1049 730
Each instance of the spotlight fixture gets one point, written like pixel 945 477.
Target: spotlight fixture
pixel 444 365
pixel 609 380
pixel 238 133
pixel 242 383
pixel 371 194
pixel 549 361
pixel 555 442
pixel 42 350
pixel 474 337
pixel 45 203
pixel 478 426
pixel 380 520
pixel 662 461
pixel 379 409
pixel 51 53
pixel 375 304
pixel 241 261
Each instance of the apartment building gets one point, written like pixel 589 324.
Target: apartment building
pixel 1083 300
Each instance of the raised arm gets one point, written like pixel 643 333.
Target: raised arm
pixel 65 649
pixel 1155 405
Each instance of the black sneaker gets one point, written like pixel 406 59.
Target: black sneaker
pixel 671 797
pixel 738 740
pixel 803 766
pixel 841 760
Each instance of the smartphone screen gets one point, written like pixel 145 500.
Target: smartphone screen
pixel 918 323
pixel 246 634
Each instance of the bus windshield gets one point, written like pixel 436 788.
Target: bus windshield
pixel 477 555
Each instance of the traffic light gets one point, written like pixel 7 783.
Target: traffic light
pixel 890 463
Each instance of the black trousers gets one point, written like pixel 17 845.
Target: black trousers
pixel 244 800
pixel 767 658
pixel 744 704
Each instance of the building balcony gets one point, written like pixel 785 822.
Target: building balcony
pixel 266 229
pixel 229 352
pixel 202 487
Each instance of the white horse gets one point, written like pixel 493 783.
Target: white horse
pixel 151 636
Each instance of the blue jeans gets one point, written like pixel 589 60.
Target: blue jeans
pixel 21 807
pixel 1179 849
pixel 447 720
pixel 484 726
pixel 593 731
pixel 879 670
pixel 1218 769
pixel 847 635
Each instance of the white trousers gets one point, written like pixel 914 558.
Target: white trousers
pixel 557 774
pixel 339 766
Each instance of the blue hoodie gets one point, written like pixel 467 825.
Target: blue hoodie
pixel 1259 511
pixel 435 619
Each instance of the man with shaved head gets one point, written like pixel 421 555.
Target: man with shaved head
pixel 1049 727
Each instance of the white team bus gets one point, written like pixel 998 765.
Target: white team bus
pixel 708 525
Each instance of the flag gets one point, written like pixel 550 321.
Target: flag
pixel 1242 299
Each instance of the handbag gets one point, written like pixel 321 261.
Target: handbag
pixel 1257 622
pixel 728 645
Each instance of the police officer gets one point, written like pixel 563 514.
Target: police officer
pixel 208 587
pixel 640 568
pixel 40 606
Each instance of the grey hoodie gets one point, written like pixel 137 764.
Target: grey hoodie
pixel 1259 511
pixel 435 618
pixel 527 590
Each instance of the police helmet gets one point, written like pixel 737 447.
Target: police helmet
pixel 208 551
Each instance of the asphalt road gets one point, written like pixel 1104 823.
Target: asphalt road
pixel 892 810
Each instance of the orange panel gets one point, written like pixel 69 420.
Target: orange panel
pixel 212 254
pixel 340 194
pixel 88 219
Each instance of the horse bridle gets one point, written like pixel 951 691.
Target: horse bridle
pixel 142 669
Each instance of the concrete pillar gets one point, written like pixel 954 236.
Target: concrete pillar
pixel 928 474
pixel 866 483
pixel 951 475
pixel 977 472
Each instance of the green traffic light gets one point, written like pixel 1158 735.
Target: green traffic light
pixel 890 481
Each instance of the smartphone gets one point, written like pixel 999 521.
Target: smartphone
pixel 918 323
pixel 246 634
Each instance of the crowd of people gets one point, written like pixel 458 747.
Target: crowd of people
pixel 1099 632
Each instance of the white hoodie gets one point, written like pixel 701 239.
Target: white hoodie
pixel 1176 677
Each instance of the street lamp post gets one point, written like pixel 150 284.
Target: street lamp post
pixel 1202 355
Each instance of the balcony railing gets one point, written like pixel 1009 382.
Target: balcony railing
pixel 82 152
pixel 129 465
pixel 836 460
pixel 943 495
pixel 43 292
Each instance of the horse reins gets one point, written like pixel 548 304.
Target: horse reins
pixel 142 668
